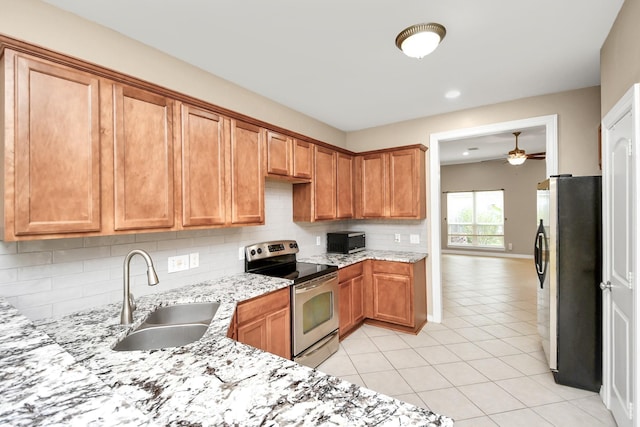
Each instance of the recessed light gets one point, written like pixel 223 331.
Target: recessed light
pixel 452 94
pixel 465 153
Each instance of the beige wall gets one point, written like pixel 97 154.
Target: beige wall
pixel 47 26
pixel 519 185
pixel 578 120
pixel 620 56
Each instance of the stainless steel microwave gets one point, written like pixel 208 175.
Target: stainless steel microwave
pixel 345 242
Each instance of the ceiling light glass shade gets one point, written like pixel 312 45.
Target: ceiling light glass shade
pixel 420 40
pixel 516 157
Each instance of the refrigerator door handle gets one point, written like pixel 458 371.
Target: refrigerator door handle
pixel 538 253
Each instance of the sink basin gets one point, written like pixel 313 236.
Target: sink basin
pixel 170 326
pixel 183 313
pixel 161 336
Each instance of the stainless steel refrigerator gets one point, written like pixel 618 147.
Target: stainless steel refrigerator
pixel 568 260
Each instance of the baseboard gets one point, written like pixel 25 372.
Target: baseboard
pixel 488 254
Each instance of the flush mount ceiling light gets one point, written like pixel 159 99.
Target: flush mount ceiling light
pixel 516 156
pixel 420 40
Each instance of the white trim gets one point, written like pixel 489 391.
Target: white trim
pixel 487 254
pixel 551 124
pixel 629 101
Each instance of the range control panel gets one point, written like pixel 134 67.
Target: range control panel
pixel 270 249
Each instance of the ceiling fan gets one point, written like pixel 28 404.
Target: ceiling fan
pixel 518 156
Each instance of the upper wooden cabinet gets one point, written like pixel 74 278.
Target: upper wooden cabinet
pixel 143 159
pixel 373 185
pixel 247 177
pixel 324 183
pixel 330 195
pixel 88 151
pixel 279 154
pixel 287 158
pixel 53 152
pixel 204 153
pixel 344 186
pixel 392 184
pixel 302 159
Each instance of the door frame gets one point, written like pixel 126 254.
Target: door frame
pixel 629 101
pixel 435 238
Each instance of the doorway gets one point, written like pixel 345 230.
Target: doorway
pixel 435 278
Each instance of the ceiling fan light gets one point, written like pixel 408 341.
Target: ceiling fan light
pixel 516 156
pixel 418 41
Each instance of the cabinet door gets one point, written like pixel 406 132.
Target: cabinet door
pixel 325 183
pixel 247 178
pixel 302 159
pixel 374 177
pixel 279 333
pixel 254 333
pixel 346 316
pixel 392 298
pixel 143 159
pixel 57 149
pixel 357 299
pixel 345 186
pixel 279 149
pixel 203 168
pixel 404 185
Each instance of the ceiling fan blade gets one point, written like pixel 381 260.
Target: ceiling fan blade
pixel 537 156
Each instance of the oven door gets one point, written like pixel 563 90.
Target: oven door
pixel 315 311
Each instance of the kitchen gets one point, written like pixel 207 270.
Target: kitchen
pixel 71 266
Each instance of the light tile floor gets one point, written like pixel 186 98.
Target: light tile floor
pixel 483 365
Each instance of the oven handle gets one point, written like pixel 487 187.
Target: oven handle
pixel 302 290
pixel 320 281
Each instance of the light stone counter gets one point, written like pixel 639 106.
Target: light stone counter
pixel 345 260
pixel 215 381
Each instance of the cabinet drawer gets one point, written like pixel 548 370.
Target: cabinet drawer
pixel 392 267
pixel 348 273
pixel 262 305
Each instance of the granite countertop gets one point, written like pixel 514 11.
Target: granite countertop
pixel 213 381
pixel 345 260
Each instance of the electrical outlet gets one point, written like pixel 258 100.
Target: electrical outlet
pixel 396 237
pixel 414 239
pixel 318 241
pixel 510 246
pixel 178 263
pixel 241 254
pixel 194 260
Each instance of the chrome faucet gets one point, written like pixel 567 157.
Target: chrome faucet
pixel 129 305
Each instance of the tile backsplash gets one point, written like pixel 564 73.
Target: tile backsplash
pixel 52 278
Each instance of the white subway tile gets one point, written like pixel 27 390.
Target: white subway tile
pixel 68 255
pixel 25 260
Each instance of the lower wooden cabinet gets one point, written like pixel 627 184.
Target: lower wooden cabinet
pixel 265 323
pixel 398 294
pixel 383 293
pixel 351 296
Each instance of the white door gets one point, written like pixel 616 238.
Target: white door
pixel 619 251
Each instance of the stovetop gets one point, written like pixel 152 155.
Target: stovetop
pixel 278 259
pixel 298 271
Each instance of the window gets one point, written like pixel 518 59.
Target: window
pixel 476 219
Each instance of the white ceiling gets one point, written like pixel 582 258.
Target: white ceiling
pixel 336 60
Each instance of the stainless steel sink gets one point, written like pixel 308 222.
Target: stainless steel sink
pixel 183 313
pixel 170 326
pixel 161 337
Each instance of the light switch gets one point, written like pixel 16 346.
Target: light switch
pixel 396 238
